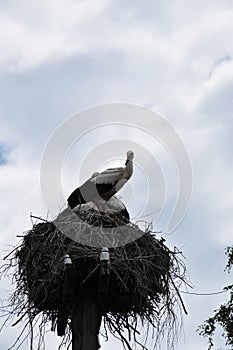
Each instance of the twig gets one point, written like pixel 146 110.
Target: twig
pixel 38 218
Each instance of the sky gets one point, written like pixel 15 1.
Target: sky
pixel 174 58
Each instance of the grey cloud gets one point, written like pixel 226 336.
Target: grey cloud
pixel 149 54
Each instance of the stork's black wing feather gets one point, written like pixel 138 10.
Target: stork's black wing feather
pixel 125 213
pixel 103 188
pixel 87 192
pixel 75 198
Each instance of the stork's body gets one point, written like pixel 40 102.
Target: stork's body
pixel 113 205
pixel 104 185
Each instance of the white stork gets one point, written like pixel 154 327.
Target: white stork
pixel 114 204
pixel 102 186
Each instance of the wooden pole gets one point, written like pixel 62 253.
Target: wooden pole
pixel 86 322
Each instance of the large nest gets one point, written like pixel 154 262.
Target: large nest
pixel 144 280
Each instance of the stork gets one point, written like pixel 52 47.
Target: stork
pixel 102 186
pixel 114 204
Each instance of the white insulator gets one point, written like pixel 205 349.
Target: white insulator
pixel 104 256
pixel 67 260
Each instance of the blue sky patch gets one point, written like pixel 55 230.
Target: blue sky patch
pixel 3 154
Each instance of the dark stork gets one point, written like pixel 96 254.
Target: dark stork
pixel 102 186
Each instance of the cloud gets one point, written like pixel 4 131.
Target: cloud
pixel 58 57
pixel 42 33
pixel 38 33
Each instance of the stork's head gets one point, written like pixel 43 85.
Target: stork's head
pixel 130 155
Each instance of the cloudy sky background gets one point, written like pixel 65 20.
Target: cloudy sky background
pixel 60 57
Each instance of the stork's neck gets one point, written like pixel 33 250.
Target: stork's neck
pixel 128 161
pixel 128 168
